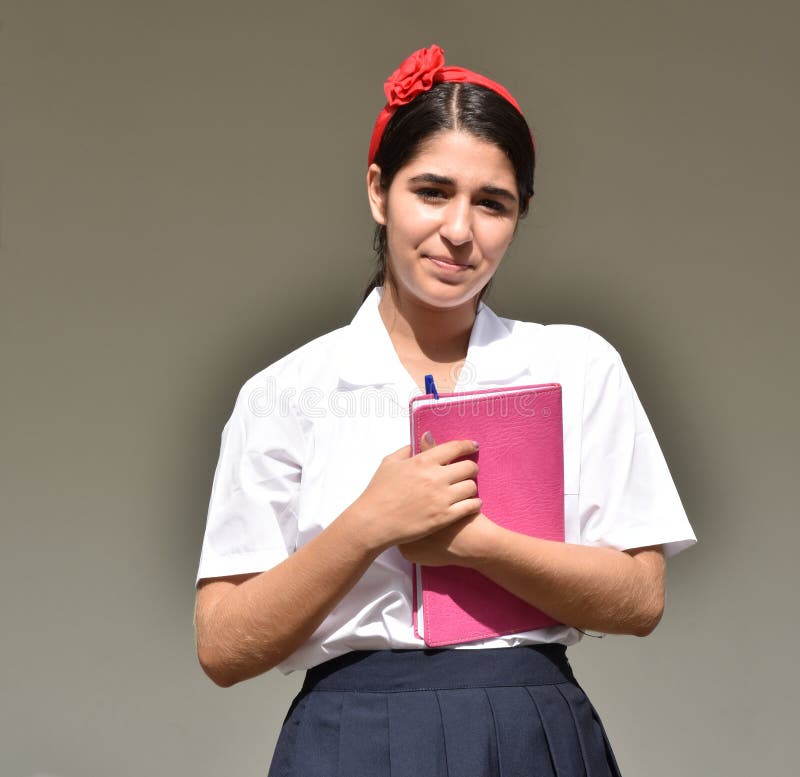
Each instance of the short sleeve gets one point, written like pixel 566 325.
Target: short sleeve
pixel 252 515
pixel 627 496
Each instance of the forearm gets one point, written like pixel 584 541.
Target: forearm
pixel 600 589
pixel 247 624
pixel 258 623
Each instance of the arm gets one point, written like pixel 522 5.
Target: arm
pixel 624 484
pixel 587 587
pixel 247 624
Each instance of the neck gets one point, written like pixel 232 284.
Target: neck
pixel 440 334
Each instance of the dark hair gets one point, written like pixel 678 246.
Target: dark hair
pixel 451 105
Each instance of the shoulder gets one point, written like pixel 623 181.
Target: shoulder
pixel 568 342
pixel 308 364
pixel 277 389
pixel 579 357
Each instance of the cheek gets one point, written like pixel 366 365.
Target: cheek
pixel 411 224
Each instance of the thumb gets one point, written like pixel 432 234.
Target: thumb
pixel 427 442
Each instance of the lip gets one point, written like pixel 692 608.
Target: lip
pixel 447 264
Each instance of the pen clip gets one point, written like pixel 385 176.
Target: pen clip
pixel 430 386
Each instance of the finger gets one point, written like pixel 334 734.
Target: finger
pixel 463 469
pixel 466 489
pixel 446 452
pixel 465 508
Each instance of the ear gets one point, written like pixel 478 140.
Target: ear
pixel 376 195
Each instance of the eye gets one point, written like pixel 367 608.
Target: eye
pixel 431 195
pixel 493 205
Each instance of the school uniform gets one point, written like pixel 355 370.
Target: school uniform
pixel 305 437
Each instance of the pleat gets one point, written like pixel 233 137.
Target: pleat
pixel 469 732
pixel 444 714
pixel 364 736
pixel 595 747
pixel 559 730
pixel 309 738
pixel 521 741
pixel 416 735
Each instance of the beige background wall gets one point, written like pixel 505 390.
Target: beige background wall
pixel 182 203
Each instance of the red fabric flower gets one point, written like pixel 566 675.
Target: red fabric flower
pixel 415 75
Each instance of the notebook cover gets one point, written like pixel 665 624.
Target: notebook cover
pixel 521 482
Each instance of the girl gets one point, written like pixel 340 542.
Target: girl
pixel 318 509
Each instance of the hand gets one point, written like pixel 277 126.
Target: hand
pixel 410 497
pixel 462 543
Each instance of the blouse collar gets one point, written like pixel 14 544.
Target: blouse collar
pixel 367 356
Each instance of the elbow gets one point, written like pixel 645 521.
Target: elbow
pixel 215 669
pixel 649 603
pixel 215 653
pixel 225 670
pixel 221 680
pixel 645 627
pixel 648 617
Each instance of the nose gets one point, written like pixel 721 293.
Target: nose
pixel 456 225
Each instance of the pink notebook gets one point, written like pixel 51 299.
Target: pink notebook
pixel 521 482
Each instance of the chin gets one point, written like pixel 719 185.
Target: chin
pixel 446 295
pixel 436 290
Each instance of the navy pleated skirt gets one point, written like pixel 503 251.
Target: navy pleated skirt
pixel 500 712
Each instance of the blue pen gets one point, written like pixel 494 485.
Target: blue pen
pixel 430 386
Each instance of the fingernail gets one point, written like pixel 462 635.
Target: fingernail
pixel 428 438
pixel 475 443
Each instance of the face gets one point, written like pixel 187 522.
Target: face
pixel 450 214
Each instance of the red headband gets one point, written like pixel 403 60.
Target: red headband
pixel 417 74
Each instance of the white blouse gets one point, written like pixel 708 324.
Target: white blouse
pixel 308 432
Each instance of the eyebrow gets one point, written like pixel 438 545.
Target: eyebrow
pixel 443 180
